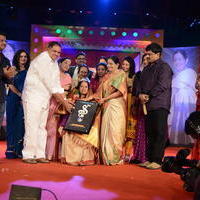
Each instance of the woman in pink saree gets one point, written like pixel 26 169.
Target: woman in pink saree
pixel 53 118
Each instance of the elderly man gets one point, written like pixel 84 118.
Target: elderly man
pixel 42 81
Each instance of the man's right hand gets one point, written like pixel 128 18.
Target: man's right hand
pixel 144 98
pixel 69 105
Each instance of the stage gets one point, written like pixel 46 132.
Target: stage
pixel 124 182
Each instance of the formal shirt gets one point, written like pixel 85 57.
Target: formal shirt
pixel 156 80
pixel 73 71
pixel 42 80
pixel 4 62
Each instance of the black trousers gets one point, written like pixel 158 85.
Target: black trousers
pixel 156 131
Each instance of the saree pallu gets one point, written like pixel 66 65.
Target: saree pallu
pixel 81 149
pixel 53 119
pixel 113 126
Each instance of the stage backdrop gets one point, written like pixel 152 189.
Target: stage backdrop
pixel 95 41
pixel 185 63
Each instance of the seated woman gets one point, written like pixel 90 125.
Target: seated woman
pixel 113 96
pixel 79 149
pixel 101 70
pixel 53 118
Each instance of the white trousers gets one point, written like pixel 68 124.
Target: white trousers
pixel 35 118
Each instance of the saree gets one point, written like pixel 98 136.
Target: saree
pixel 183 102
pixel 15 118
pixel 81 149
pixel 113 126
pixel 130 120
pixel 52 120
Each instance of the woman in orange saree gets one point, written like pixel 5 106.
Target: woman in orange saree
pixel 113 96
pixel 128 66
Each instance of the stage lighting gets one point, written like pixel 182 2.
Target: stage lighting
pixel 69 31
pixel 124 34
pixel 35 50
pixel 157 35
pixel 102 33
pixel 80 32
pixel 135 34
pixel 36 40
pixel 113 33
pixel 58 31
pixel 91 32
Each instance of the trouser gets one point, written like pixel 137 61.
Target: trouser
pixel 156 128
pixel 2 110
pixel 35 118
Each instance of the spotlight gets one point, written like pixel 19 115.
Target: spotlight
pixel 147 14
pixel 113 33
pixel 49 9
pixel 80 32
pixel 69 31
pixel 135 34
pixel 91 32
pixel 124 34
pixel 58 31
pixel 114 13
pixel 157 35
pixel 81 11
pixel 102 33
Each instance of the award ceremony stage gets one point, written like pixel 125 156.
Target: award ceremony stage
pixel 99 182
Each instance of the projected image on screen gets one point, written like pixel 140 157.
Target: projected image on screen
pixel 184 63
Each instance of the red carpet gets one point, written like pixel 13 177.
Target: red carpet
pixel 125 182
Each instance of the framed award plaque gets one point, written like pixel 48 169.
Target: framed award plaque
pixel 82 117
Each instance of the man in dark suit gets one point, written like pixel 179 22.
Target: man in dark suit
pixel 6 72
pixel 80 60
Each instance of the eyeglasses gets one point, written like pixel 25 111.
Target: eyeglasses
pixel 3 41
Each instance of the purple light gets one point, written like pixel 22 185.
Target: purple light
pixel 35 50
pixel 157 35
pixel 36 40
pixel 36 30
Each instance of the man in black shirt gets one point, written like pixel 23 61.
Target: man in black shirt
pixel 6 72
pixel 155 93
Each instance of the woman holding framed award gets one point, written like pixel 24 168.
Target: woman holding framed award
pixel 80 149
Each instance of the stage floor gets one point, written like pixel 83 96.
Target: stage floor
pixel 126 182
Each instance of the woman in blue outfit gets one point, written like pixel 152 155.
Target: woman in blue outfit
pixel 14 110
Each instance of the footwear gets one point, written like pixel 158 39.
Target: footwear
pixel 153 165
pixel 145 164
pixel 42 160
pixel 30 161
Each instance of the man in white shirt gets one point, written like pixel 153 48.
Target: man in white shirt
pixel 42 81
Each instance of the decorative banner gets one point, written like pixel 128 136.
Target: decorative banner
pixel 185 63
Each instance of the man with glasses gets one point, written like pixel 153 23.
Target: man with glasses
pixel 155 92
pixel 80 61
